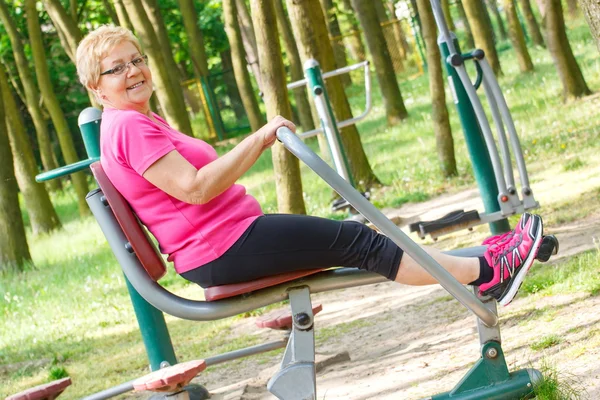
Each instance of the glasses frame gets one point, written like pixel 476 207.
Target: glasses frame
pixel 143 57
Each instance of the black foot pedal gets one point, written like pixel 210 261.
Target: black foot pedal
pixel 342 204
pixel 548 248
pixel 450 222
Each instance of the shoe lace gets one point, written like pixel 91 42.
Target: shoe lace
pixel 498 238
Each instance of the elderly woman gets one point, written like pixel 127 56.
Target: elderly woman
pixel 212 230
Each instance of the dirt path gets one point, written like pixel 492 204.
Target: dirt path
pixel 411 342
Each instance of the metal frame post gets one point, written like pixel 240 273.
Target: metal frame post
pixel 480 158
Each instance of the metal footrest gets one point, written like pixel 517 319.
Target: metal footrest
pixel 450 222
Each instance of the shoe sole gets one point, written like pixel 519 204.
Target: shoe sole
pixel 518 280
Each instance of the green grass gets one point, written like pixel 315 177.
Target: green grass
pixel 558 385
pixel 71 313
pixel 546 342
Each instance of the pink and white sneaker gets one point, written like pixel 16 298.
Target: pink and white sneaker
pixel 504 237
pixel 511 257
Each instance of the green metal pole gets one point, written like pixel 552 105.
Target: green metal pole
pixel 150 320
pixel 482 165
pixel 212 107
pixel 312 71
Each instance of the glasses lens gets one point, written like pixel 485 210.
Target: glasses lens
pixel 119 69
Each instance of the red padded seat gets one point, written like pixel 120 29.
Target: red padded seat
pixel 170 379
pixel 143 247
pixel 281 319
pixel 48 391
pixel 224 291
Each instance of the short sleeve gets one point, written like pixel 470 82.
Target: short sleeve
pixel 139 142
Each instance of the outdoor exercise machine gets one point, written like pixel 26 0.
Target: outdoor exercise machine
pixel 315 82
pixel 142 265
pixel 493 170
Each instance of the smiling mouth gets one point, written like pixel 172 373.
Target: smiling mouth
pixel 136 85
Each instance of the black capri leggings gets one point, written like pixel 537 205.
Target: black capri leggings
pixel 279 243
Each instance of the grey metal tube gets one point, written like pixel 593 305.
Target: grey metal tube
pixel 488 75
pixel 245 352
pixel 369 211
pixel 440 20
pixel 112 392
pixel 508 171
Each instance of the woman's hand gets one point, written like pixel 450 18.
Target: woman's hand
pixel 268 133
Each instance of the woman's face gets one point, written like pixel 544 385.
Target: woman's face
pixel 132 88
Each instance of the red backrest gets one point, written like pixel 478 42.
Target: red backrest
pixel 137 236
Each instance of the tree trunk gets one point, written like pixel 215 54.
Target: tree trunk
pixel 68 33
pixel 124 20
pixel 469 43
pixel 532 26
pixel 230 84
pixel 310 32
pixel 170 97
pixel 14 252
pixel 517 38
pixel 354 41
pixel 333 27
pixel 572 8
pixel 493 6
pixel 441 121
pixel 249 40
pixel 482 32
pixel 242 77
pixel 447 14
pixel 153 11
pixel 285 164
pixel 393 43
pixel 569 72
pixel 42 216
pixel 591 10
pixel 399 35
pixel 51 102
pixel 392 98
pixel 296 71
pixel 32 98
pixel 110 11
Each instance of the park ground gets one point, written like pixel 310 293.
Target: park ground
pixel 71 314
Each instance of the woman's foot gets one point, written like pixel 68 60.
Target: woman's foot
pixel 511 257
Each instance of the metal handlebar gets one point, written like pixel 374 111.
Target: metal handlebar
pixel 295 145
pixel 336 72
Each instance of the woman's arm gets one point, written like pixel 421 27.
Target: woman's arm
pixel 174 175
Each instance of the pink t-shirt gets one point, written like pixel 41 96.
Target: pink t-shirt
pixel 192 235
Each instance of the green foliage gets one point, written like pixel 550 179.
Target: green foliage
pixel 574 164
pixel 558 385
pixel 57 372
pixel 546 342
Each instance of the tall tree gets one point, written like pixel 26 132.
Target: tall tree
pixel 572 79
pixel 108 7
pixel 447 14
pixel 482 32
pixel 398 31
pixel 333 27
pixel 242 76
pixel 493 7
pixel 32 98
pixel 68 33
pixel 310 32
pixel 249 40
pixel 169 96
pixel 392 98
pixel 52 104
pixel 124 20
pixel 14 252
pixel 441 121
pixel 231 85
pixel 285 164
pixel 517 36
pixel 354 40
pixel 393 42
pixel 532 26
pixel 591 10
pixel 291 49
pixel 42 216
pixel 469 43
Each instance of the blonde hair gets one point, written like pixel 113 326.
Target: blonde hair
pixel 95 46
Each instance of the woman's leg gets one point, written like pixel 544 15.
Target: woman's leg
pixel 464 269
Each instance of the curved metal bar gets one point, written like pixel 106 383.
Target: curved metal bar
pixel 440 20
pixel 66 170
pixel 368 210
pixel 510 125
pixel 508 171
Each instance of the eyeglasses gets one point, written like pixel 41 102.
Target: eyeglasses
pixel 119 69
